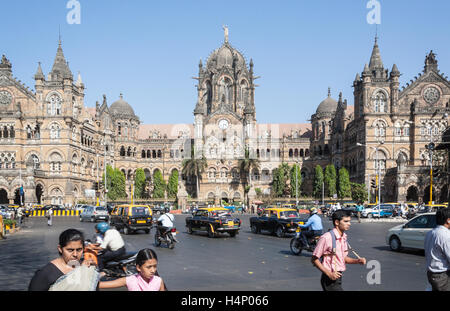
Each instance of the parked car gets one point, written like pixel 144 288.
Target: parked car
pixel 277 221
pixel 412 234
pixel 213 220
pixel 94 213
pixel 131 218
pixel 378 211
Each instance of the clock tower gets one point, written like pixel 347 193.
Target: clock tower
pixel 224 117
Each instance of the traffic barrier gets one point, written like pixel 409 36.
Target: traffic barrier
pixel 41 213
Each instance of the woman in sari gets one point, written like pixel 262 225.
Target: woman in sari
pixel 66 272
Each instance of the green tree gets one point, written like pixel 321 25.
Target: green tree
pixel 345 190
pixel 330 180
pixel 194 167
pixel 246 165
pixel 159 185
pixel 115 183
pixel 359 192
pixel 172 186
pixel 318 181
pixel 295 180
pixel 280 180
pixel 139 184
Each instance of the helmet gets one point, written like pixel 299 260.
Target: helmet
pixel 102 227
pixel 313 211
pixel 166 210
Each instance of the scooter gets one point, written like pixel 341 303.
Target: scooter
pixel 120 267
pixel 168 237
pixel 297 245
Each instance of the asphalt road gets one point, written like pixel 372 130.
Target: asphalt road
pixel 247 262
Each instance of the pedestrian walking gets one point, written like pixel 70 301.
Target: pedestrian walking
pixel 50 216
pixel 331 253
pixel 359 209
pixel 437 252
pixel 20 215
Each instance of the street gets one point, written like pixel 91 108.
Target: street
pixel 247 262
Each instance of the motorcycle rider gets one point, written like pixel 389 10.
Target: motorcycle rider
pixel 167 222
pixel 112 246
pixel 314 224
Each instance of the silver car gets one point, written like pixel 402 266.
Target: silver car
pixel 412 234
pixel 94 214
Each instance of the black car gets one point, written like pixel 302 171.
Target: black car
pixel 213 220
pixel 277 221
pixel 131 218
pixel 158 209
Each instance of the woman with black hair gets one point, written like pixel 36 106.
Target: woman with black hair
pixel 146 279
pixel 53 276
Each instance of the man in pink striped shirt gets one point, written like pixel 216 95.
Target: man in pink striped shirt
pixel 333 262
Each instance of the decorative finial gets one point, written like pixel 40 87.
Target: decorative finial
pixel 225 29
pixel 329 92
pixel 121 96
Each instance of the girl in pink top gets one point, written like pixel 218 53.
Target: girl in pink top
pixel 145 280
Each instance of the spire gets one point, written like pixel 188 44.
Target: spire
pixel 375 59
pixel 60 68
pixel 79 81
pixel 5 66
pixel 431 62
pixel 395 72
pixel 329 92
pixel 39 74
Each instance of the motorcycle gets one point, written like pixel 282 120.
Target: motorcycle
pixel 120 267
pixel 297 245
pixel 168 237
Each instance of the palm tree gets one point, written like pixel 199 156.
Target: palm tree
pixel 246 165
pixel 194 167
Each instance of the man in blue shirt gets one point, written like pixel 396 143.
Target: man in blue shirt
pixel 314 224
pixel 437 252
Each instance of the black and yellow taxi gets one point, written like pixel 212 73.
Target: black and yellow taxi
pixel 213 220
pixel 277 221
pixel 131 218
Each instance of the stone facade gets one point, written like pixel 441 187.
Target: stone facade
pixel 56 147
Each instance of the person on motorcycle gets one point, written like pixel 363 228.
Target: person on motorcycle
pixel 112 246
pixel 167 222
pixel 314 226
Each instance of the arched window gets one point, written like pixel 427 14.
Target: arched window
pixel 55 131
pixel 55 162
pixel 380 102
pixel 122 151
pixel 143 154
pixel 36 162
pixel 54 105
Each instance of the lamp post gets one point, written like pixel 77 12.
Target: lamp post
pixel 430 148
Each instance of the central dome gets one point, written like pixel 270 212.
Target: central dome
pixel 328 105
pixel 122 108
pixel 224 57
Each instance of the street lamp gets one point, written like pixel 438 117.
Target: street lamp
pixel 378 198
pixel 430 148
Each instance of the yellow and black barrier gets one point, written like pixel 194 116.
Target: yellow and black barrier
pixel 41 213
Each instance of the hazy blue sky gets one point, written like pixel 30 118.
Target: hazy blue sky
pixel 150 50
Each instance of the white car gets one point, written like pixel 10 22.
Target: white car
pixel 412 234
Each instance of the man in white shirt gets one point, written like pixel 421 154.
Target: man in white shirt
pixel 437 252
pixel 112 246
pixel 167 221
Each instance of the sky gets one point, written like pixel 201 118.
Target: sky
pixel 150 50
